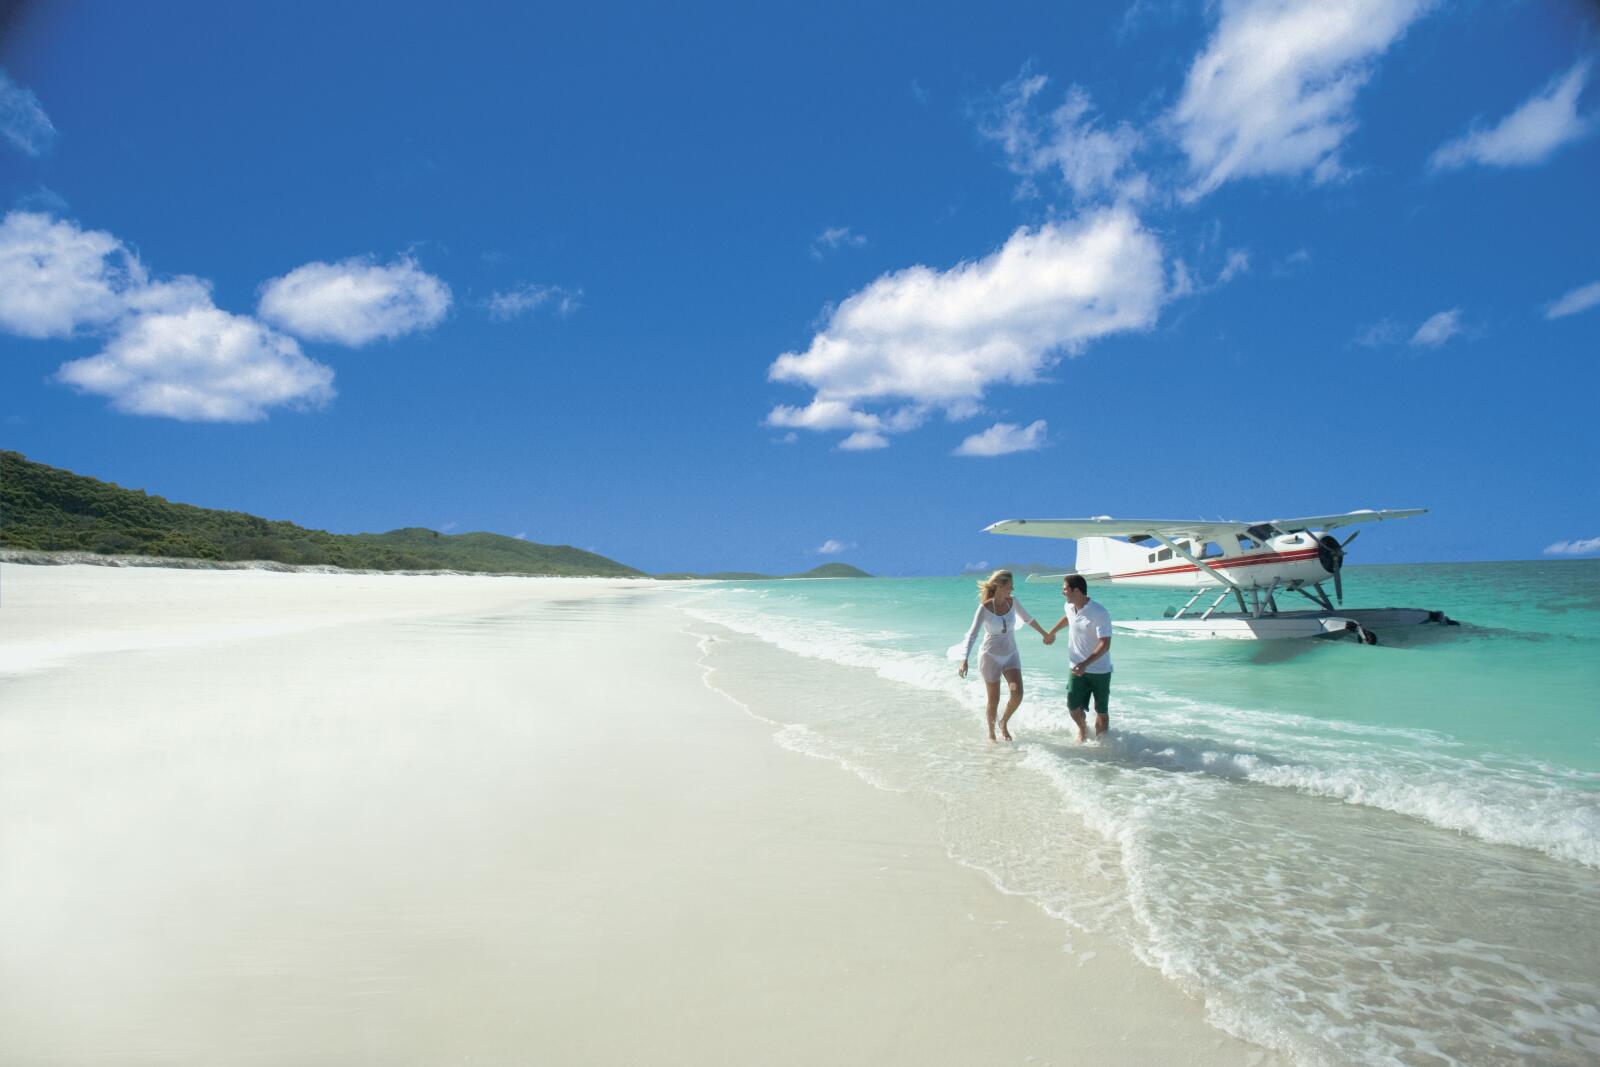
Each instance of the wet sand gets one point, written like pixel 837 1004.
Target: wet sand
pixel 262 818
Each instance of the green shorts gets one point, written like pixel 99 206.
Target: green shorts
pixel 1083 686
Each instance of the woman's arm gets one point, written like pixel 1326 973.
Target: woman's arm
pixel 1022 613
pixel 972 633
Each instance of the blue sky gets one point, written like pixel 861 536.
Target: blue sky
pixel 732 287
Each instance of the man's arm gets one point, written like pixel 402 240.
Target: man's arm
pixel 1101 648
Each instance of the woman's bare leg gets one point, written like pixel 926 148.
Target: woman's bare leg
pixel 994 704
pixel 1014 681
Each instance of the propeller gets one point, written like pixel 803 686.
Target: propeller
pixel 1330 553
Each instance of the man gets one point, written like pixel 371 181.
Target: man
pixel 1089 651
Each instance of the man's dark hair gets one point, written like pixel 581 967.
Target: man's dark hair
pixel 1075 581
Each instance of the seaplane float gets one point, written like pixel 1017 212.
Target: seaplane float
pixel 1250 562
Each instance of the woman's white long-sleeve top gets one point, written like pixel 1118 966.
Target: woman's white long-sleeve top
pixel 999 632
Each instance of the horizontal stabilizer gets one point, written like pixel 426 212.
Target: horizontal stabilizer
pixel 1052 577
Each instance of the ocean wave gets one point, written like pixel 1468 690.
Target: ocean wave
pixel 1526 805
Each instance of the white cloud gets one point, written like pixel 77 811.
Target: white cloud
pixel 1574 548
pixel 863 441
pixel 521 299
pixel 833 238
pixel 1438 329
pixel 1381 333
pixel 201 365
pixel 1274 90
pixel 1238 262
pixel 1004 438
pixel 823 415
pixel 1530 134
pixel 1582 298
pixel 355 301
pixel 926 338
pixel 831 547
pixel 1092 160
pixel 57 279
pixel 22 121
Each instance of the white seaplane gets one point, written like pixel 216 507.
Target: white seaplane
pixel 1254 560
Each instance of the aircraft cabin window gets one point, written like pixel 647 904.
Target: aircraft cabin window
pixel 1247 543
pixel 1212 549
pixel 1152 557
pixel 1165 553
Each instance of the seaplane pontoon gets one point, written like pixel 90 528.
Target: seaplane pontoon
pixel 1250 563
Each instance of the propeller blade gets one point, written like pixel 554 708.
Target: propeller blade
pixel 1338 584
pixel 1352 537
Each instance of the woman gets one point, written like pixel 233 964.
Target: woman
pixel 998 616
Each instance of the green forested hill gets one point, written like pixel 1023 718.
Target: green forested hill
pixel 56 510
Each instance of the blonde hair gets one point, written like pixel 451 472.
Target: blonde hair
pixel 987 586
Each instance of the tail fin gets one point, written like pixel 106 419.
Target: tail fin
pixel 1101 557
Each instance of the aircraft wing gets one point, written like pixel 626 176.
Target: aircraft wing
pixel 1105 526
pixel 1200 529
pixel 1329 522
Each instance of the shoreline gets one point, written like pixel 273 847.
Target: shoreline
pixel 379 827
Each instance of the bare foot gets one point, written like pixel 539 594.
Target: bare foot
pixel 1083 736
pixel 991 737
pixel 1005 735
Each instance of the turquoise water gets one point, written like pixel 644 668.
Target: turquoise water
pixel 1353 854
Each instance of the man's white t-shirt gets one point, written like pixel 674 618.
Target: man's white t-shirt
pixel 1084 630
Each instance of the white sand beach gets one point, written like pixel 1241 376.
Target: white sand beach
pixel 266 818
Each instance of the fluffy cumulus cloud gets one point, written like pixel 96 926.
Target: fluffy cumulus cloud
pixel 22 121
pixel 1091 159
pixel 863 441
pixel 832 547
pixel 1530 134
pixel 1581 547
pixel 1438 329
pixel 522 299
pixel 59 280
pixel 1004 438
pixel 200 364
pixel 169 350
pixel 355 301
pixel 1582 298
pixel 1274 89
pixel 920 339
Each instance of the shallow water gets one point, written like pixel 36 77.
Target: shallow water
pixel 1353 854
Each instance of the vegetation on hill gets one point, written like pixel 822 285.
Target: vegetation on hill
pixel 50 509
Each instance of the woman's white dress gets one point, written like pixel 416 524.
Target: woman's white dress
pixel 999 653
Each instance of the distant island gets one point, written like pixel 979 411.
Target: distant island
pixel 49 510
pixel 1019 568
pixel 827 570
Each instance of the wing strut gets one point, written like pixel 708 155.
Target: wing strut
pixel 1203 565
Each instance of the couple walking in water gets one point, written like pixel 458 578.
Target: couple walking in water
pixel 1088 651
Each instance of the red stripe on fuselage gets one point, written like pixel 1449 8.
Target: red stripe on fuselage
pixel 1224 563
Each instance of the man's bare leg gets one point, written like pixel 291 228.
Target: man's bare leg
pixel 1083 726
pixel 1102 723
pixel 1014 680
pixel 994 705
